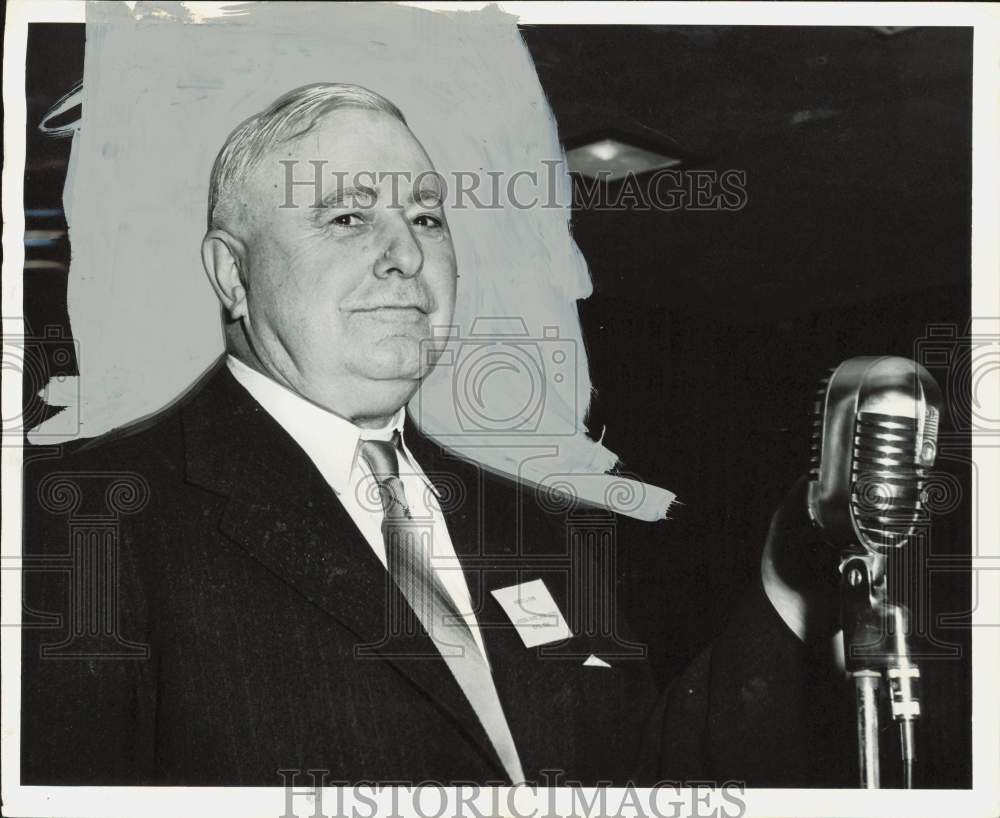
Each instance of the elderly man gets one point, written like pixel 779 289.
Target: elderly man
pixel 311 584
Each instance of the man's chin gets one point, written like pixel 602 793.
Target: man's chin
pixel 401 359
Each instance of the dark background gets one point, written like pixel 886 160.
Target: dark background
pixel 707 331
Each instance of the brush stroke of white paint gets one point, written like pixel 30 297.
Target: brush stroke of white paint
pixel 162 90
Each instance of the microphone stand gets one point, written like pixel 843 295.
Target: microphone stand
pixel 875 646
pixel 874 433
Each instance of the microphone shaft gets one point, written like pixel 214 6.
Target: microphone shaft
pixel 866 692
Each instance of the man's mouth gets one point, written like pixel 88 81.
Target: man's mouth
pixel 393 312
pixel 416 307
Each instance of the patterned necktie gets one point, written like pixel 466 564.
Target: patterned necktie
pixel 408 551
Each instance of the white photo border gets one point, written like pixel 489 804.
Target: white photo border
pixel 270 802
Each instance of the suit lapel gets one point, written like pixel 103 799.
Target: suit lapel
pixel 283 513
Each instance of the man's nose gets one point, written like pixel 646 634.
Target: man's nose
pixel 402 254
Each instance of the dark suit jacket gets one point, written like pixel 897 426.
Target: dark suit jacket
pixel 200 610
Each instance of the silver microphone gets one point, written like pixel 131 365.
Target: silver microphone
pixel 874 436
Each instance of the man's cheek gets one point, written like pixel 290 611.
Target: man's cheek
pixel 443 290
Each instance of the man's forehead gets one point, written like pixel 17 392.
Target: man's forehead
pixel 363 139
pixel 348 154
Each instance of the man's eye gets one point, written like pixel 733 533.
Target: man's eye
pixel 348 220
pixel 426 220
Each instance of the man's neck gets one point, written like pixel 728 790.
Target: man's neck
pixel 379 420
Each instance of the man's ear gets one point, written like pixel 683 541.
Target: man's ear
pixel 224 258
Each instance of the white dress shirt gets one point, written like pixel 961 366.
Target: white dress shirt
pixel 332 443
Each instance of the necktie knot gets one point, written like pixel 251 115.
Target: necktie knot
pixel 381 457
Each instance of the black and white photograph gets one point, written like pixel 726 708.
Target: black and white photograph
pixel 529 409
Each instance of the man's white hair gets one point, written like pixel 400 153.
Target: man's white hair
pixel 290 116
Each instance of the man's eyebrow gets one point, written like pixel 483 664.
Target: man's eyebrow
pixel 428 196
pixel 347 196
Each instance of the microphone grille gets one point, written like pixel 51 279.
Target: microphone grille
pixel 887 481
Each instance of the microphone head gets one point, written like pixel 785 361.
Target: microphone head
pixel 874 435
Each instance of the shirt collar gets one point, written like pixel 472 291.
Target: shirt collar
pixel 329 440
